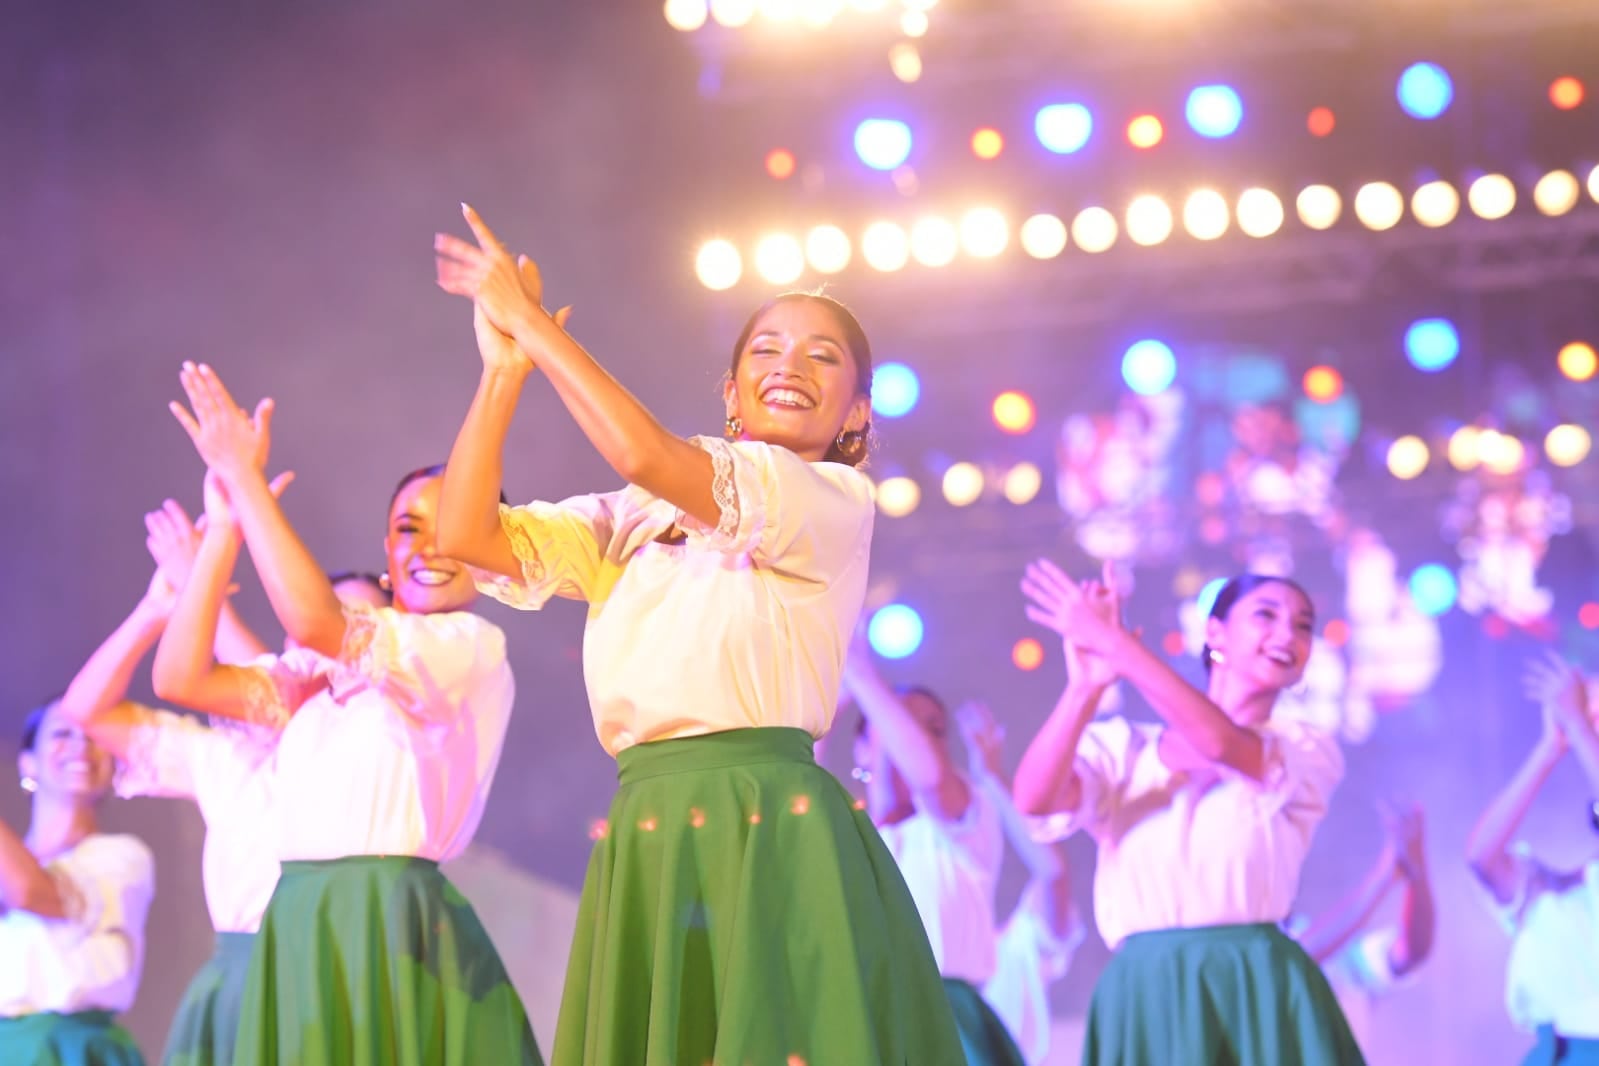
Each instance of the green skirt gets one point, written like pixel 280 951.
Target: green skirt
pixel 984 1037
pixel 206 1025
pixel 1227 995
pixel 367 961
pixel 739 909
pixel 1553 1050
pixel 87 1038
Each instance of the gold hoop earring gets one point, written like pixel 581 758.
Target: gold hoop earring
pixel 735 426
pixel 29 785
pixel 384 583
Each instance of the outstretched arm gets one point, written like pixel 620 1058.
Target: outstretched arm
pixel 626 434
pixel 96 698
pixel 173 540
pixel 922 760
pixel 25 885
pixel 186 670
pixel 1418 916
pixel 1562 688
pixel 1488 847
pixel 234 446
pixel 1093 622
pixel 1330 931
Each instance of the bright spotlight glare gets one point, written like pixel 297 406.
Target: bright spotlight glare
pixel 1500 453
pixel 1063 128
pixel 984 232
pixel 1491 196
pixel 1463 448
pixel 819 13
pixel 885 247
pixel 733 13
pixel 1556 193
pixel 718 265
pixel 1205 215
pixel 778 10
pixel 779 259
pixel 1567 444
pixel 1431 344
pixel 1214 110
pixel 1319 206
pixel 1094 229
pixel 905 61
pixel 1407 458
pixel 1593 183
pixel 827 249
pixel 1379 206
pixel 1260 213
pixel 963 484
pixel 686 15
pixel 933 241
pixel 1435 204
pixel 898 496
pixel 1043 236
pixel 883 143
pixel 1022 483
pixel 913 23
pixel 1149 220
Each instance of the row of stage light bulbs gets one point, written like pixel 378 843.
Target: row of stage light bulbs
pixel 984 232
pixel 690 15
pixel 1467 448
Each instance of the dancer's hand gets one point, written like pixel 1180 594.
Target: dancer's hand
pixel 231 442
pixel 172 539
pixel 509 292
pixel 984 738
pixel 1560 689
pixel 1405 826
pixel 1087 615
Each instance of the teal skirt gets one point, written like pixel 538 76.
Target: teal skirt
pixel 984 1037
pixel 206 1025
pixel 1228 995
pixel 1555 1050
pixel 739 909
pixel 368 961
pixel 86 1038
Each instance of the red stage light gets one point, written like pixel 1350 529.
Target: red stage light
pixel 1321 121
pixel 780 163
pixel 1566 93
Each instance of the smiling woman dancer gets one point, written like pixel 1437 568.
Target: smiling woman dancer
pixel 1202 825
pixel 739 909
pixel 394 719
pixel 72 906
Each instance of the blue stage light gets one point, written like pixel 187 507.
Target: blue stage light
pixel 1149 367
pixel 1431 344
pixel 1433 589
pixel 1215 110
pixel 1063 128
pixel 1425 90
pixel 895 390
pixel 895 631
pixel 883 143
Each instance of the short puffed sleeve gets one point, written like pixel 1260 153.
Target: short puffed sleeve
pixel 560 548
pixel 1303 765
pixel 807 520
pixel 1367 963
pixel 108 882
pixel 275 686
pixel 1104 762
pixel 430 665
pixel 167 755
pixel 1528 879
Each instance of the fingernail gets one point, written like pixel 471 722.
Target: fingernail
pixel 466 208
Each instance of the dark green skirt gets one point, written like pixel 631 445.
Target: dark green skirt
pixel 1228 995
pixel 87 1038
pixel 984 1037
pixel 206 1025
pixel 1553 1050
pixel 739 909
pixel 368 961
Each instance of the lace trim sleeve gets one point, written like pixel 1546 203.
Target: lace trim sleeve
pixel 136 771
pixel 733 530
pixel 364 651
pixel 527 591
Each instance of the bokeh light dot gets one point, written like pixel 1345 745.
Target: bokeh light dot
pixel 1027 654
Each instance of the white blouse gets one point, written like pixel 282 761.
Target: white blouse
pixel 744 624
pixel 1030 959
pixel 227 770
pixel 1553 974
pixel 91 959
pixel 1185 850
pixel 952 870
pixel 390 747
